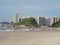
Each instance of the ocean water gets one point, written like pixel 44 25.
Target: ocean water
pixel 5 29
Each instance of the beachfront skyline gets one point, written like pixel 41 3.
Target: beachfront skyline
pixel 48 8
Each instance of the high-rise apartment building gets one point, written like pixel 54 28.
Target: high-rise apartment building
pixel 54 20
pixel 51 21
pixel 40 21
pixel 47 21
pixel 15 17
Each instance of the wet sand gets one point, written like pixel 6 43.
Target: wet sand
pixel 30 38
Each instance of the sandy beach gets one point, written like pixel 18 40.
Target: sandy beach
pixel 30 38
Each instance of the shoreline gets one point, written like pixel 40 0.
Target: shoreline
pixel 32 30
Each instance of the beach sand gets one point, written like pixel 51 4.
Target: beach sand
pixel 30 38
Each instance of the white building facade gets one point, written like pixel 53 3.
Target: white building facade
pixel 40 21
pixel 54 20
pixel 47 21
pixel 15 18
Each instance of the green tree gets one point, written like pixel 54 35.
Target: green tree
pixel 27 22
pixel 57 24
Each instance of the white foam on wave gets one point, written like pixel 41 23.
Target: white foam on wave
pixel 8 30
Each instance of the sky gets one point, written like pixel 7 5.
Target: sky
pixel 35 8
